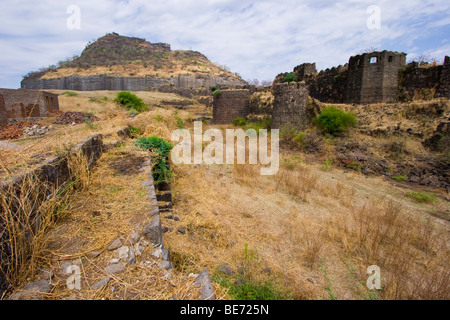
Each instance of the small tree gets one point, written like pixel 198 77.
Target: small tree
pixel 291 77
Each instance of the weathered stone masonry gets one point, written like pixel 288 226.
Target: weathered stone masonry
pixel 291 106
pixel 20 104
pixel 3 117
pixel 231 104
pixel 374 78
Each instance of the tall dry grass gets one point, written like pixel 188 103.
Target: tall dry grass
pixel 29 209
pixel 411 253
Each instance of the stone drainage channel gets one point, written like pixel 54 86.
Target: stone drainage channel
pixel 160 196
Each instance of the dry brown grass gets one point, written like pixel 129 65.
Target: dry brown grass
pixel 306 223
pixel 29 209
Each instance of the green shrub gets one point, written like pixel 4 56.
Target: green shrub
pixel 131 101
pixel 300 138
pixel 291 77
pixel 217 93
pixel 240 122
pixel 265 123
pixel 400 178
pixel 161 148
pixel 335 121
pixel 135 132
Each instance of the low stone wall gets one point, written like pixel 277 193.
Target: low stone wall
pixel 51 175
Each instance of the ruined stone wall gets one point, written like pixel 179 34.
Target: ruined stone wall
pixel 231 104
pixel 415 80
pixel 291 106
pixel 3 117
pixel 22 103
pixel 303 70
pixel 444 86
pixel 330 85
pixel 104 82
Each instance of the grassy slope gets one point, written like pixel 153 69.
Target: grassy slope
pixel 312 231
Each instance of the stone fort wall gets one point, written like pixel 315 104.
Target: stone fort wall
pixel 231 104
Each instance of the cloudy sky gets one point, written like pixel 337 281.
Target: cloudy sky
pixel 257 39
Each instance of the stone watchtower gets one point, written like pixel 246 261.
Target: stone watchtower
pixel 374 77
pixel 303 70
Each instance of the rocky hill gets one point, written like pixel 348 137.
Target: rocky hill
pixel 116 62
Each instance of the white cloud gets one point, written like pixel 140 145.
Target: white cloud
pixel 256 39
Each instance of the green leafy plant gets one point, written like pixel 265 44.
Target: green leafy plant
pixel 290 77
pixel 240 122
pixel 335 121
pixel 135 132
pixel 217 93
pixel 131 101
pixel 400 178
pixel 161 149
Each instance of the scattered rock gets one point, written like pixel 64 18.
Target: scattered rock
pixel 116 244
pixel 93 254
pixel 182 230
pixel 74 118
pixel 115 268
pixel 152 232
pixel 239 281
pixel 165 265
pixel 123 253
pixel 311 280
pixel 205 282
pixel 135 238
pixel 131 257
pixel 101 283
pixel 225 269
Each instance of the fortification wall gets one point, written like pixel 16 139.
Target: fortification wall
pixel 444 86
pixel 3 117
pixel 231 104
pixel 105 82
pixel 414 80
pixel 330 85
pixel 291 106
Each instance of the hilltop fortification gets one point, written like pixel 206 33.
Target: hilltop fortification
pixel 116 62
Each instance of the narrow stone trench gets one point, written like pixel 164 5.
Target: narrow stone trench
pixel 103 248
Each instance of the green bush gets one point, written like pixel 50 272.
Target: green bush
pixel 217 93
pixel 240 122
pixel 335 121
pixel 300 138
pixel 161 148
pixel 131 101
pixel 291 77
